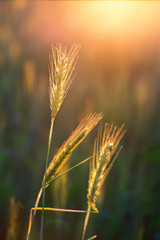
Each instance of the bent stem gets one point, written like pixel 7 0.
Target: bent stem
pixel 86 222
pixel 35 208
pixel 44 189
pixel 31 218
pixel 60 210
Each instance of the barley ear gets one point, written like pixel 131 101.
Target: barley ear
pixel 64 153
pixel 102 161
pixel 104 148
pixel 61 66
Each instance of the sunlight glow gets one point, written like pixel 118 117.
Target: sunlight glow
pixel 120 16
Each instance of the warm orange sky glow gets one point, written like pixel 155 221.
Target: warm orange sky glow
pixel 117 19
pixel 125 28
pixel 119 16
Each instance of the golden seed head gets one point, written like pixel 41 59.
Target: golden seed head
pixel 64 153
pixel 61 66
pixel 101 163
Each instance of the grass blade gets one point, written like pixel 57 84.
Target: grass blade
pixel 60 175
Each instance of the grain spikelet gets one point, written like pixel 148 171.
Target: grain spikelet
pixel 61 66
pixel 85 126
pixel 104 148
pixel 101 162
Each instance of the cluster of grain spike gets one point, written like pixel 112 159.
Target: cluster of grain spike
pixel 61 66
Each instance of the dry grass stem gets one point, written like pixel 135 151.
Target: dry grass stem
pixel 31 217
pixel 60 210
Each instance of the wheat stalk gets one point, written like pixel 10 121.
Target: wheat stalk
pixel 101 164
pixel 61 66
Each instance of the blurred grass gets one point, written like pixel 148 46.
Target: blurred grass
pixel 125 87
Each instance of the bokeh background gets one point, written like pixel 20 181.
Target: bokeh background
pixel 118 73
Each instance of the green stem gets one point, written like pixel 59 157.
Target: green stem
pixel 51 180
pixel 44 191
pixel 92 237
pixel 86 222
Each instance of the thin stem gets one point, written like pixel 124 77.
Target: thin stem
pixel 40 193
pixel 47 183
pixel 31 217
pixel 86 222
pixel 44 190
pixel 92 237
pixel 60 210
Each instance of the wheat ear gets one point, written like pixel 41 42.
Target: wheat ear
pixel 64 153
pixel 101 164
pixel 61 66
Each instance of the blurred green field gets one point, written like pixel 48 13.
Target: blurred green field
pixel 118 75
